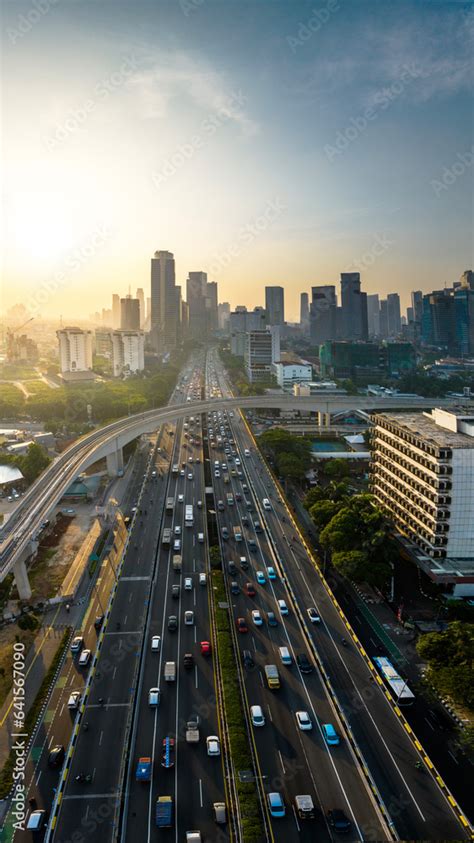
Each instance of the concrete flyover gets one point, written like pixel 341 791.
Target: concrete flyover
pixel 18 537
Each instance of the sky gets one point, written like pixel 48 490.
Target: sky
pixel 263 141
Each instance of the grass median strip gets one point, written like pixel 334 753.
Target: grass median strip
pixel 252 826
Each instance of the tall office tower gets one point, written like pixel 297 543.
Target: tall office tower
pixel 383 319
pixel 467 279
pixel 164 316
pixel 115 310
pixel 196 297
pixel 184 319
pixel 417 305
pixel 223 315
pixel 179 302
pixel 410 315
pixel 128 352
pixel 75 350
pixel 322 314
pixel 275 305
pixel 141 298
pixel 373 315
pixel 107 318
pixel 304 312
pixel 211 306
pixel 393 312
pixel 129 314
pixel 354 307
pixel 241 322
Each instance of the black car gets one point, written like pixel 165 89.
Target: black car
pixel 257 527
pixel 245 520
pixel 175 591
pixel 172 623
pixel 231 568
pixel 56 757
pixel 338 821
pixel 304 663
pixel 252 546
pixel 234 587
pixel 99 621
pixel 188 660
pixel 247 659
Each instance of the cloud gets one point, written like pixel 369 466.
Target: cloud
pixel 178 77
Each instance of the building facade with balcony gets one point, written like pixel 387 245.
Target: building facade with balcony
pixel 422 475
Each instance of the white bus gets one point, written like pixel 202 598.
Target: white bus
pixel 188 516
pixel 395 682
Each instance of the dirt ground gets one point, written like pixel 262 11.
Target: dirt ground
pixel 8 635
pixel 56 554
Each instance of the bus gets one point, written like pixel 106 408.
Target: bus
pixel 188 516
pixel 395 682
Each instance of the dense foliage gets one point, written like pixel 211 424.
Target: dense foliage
pixel 238 376
pixel 290 454
pixel 31 464
pixel 450 657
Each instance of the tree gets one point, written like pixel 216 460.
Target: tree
pixel 336 468
pixel 322 512
pixel 352 564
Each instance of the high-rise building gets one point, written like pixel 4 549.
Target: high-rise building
pixel 354 307
pixel 107 317
pixel 366 361
pixel 373 316
pixel 275 305
pixel 383 319
pixel 393 314
pixel 103 342
pixel 417 305
pixel 164 315
pixel 223 315
pixel 467 279
pixel 196 287
pixel 322 314
pixel 128 352
pixel 129 314
pixel 75 350
pixel 141 298
pixel 304 312
pixel 410 315
pixel 211 306
pixel 241 322
pixel 261 350
pixel 115 310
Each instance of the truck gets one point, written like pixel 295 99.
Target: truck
pixel 177 562
pixel 193 837
pixel 164 811
pixel 169 504
pixel 188 515
pixel 170 671
pixel 304 807
pixel 226 478
pixel 237 534
pixel 143 773
pixel 273 677
pixel 192 730
pixel 166 536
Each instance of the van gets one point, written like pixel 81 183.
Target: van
pixel 285 655
pixel 170 671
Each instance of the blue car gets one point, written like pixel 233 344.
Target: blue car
pixel 271 619
pixel 261 577
pixel 271 573
pixel 276 804
pixel 330 735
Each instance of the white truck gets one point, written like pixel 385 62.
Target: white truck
pixel 177 562
pixel 192 730
pixel 170 671
pixel 304 807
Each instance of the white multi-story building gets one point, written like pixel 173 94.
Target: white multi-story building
pixel 128 352
pixel 75 351
pixel 288 373
pixel 422 474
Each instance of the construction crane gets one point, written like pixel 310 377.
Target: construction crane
pixel 11 338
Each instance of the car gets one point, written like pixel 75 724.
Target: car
pixel 276 805
pixel 155 644
pixel 304 721
pixel 243 563
pixel 180 498
pixel 56 756
pixel 177 530
pixel 257 526
pixel 175 590
pixel 99 620
pixel 167 753
pixel 74 700
pixel 247 659
pixel 199 503
pixel 330 735
pixel 189 618
pixel 234 587
pixel 257 617
pixel 190 459
pixel 213 745
pixel 177 545
pixel 338 821
pixel 313 615
pixel 249 589
pixel 271 619
pixel 238 496
pixel 219 813
pixel 303 663
pixel 271 573
pixel 154 697
pixel 282 607
pixel 37 820
pixel 231 568
pixel 172 623
pixel 190 475
pixel 197 460
pixel 245 487
pixel 77 644
pixel 202 579
pixel 217 473
pixel 182 473
pixel 220 506
pixel 188 584
pixel 252 546
pixel 225 533
pixel 188 660
pixel 84 658
pixel 241 625
pixel 257 716
pixel 205 648
pixel 201 538
pixel 260 576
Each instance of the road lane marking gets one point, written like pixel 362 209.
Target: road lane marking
pixel 430 724
pixel 270 713
pixel 200 792
pixel 37 780
pixel 281 762
pixel 196 674
pixel 100 737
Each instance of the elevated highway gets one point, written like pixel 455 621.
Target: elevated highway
pixel 18 538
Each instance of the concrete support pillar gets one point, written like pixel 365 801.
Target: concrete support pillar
pixel 21 580
pixel 115 463
pixel 320 419
pixel 327 419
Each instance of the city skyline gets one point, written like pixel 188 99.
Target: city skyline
pixel 110 159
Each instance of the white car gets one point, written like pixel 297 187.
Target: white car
pixel 154 697
pixel 177 530
pixel 202 579
pixel 190 476
pixel 283 607
pixel 84 658
pixel 189 618
pixel 199 504
pixel 77 644
pixel 201 538
pixel 213 745
pixel 304 721
pixel 256 617
pixel 313 615
pixel 217 473
pixel 188 584
pixel 180 498
pixel 257 716
pixel 177 545
pixel 74 700
pixel 155 644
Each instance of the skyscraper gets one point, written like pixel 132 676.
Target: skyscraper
pixel 373 315
pixel 196 287
pixel 304 312
pixel 322 315
pixel 141 298
pixel 211 306
pixel 129 314
pixel 354 307
pixel 393 314
pixel 417 305
pixel 115 310
pixel 275 305
pixel 165 317
pixel 223 315
pixel 383 318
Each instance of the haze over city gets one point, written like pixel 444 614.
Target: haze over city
pixel 262 143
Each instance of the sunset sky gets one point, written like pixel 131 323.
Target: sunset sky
pixel 254 140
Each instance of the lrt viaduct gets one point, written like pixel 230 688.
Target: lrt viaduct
pixel 18 537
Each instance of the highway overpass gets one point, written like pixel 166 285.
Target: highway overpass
pixel 18 537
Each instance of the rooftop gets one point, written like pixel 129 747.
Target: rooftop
pixel 428 428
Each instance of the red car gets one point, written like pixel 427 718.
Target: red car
pixel 249 589
pixel 241 625
pixel 205 648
